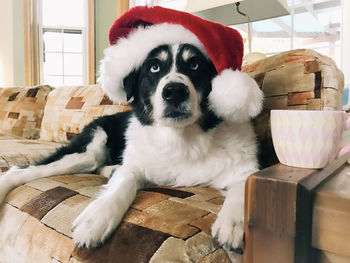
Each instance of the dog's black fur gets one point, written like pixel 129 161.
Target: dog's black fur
pixel 114 125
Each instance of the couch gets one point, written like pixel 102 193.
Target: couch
pixel 164 224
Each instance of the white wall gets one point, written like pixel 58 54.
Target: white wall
pixel 18 42
pixel 6 44
pixel 345 64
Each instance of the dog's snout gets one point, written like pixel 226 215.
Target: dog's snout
pixel 175 93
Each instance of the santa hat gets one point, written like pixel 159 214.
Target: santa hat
pixel 141 29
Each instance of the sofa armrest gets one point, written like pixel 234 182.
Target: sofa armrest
pixel 278 212
pixel 299 79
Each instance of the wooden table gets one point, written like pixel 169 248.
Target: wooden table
pixel 298 215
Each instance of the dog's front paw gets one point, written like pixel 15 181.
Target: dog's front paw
pixel 94 225
pixel 107 171
pixel 229 234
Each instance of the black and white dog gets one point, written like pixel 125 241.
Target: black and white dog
pixel 181 132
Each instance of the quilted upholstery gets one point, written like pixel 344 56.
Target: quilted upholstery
pixel 22 110
pixel 69 109
pixel 21 152
pixel 162 225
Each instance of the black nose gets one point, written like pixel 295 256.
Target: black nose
pixel 175 93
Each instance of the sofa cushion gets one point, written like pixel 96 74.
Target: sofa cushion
pixel 22 109
pixel 299 79
pixel 69 109
pixel 21 152
pixel 162 225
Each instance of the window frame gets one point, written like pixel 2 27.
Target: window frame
pixel 61 29
pixel 33 43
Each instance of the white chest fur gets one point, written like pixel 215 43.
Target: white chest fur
pixel 188 156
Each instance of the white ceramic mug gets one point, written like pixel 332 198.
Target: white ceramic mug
pixel 308 139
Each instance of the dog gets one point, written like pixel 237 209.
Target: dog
pixel 181 131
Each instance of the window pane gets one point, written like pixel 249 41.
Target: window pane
pixel 73 81
pixel 73 64
pixel 63 13
pixel 73 42
pixel 54 81
pixel 319 28
pixel 272 35
pixel 52 64
pixel 52 41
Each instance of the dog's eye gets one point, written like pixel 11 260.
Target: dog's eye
pixel 155 68
pixel 194 65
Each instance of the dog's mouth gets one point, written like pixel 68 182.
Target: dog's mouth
pixel 177 113
pixel 176 104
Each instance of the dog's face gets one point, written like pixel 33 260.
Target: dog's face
pixel 171 87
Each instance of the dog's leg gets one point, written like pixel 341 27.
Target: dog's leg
pixel 85 162
pixel 228 227
pixel 108 170
pixel 101 217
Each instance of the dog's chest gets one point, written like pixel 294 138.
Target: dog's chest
pixel 187 156
pixel 163 146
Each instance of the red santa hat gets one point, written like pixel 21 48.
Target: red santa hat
pixel 141 29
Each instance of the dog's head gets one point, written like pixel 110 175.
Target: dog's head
pixel 159 61
pixel 166 70
pixel 171 86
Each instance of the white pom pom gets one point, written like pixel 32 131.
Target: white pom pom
pixel 235 96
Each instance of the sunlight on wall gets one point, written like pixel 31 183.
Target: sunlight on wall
pixel 1 75
pixel 6 43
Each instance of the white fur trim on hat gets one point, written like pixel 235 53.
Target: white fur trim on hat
pixel 130 52
pixel 235 96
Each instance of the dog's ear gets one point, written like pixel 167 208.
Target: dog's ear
pixel 130 85
pixel 117 77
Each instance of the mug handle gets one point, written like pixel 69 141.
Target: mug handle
pixel 345 149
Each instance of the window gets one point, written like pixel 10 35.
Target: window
pixel 317 25
pixel 62 42
pixel 313 24
pixel 62 56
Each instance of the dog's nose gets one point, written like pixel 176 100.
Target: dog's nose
pixel 175 93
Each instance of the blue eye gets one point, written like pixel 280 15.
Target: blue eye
pixel 193 63
pixel 155 68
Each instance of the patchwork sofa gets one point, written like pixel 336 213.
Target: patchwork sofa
pixel 164 224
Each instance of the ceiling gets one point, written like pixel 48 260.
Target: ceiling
pixel 256 9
